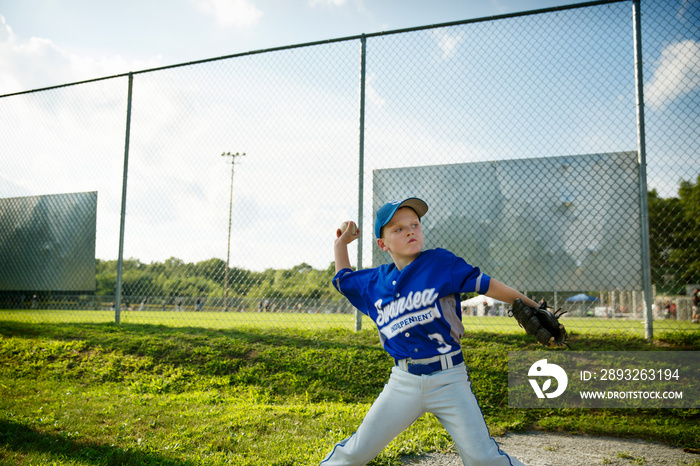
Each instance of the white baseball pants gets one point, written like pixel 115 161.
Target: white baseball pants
pixel 447 394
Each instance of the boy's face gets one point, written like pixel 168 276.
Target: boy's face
pixel 402 237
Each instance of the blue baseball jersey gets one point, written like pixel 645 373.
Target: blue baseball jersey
pixel 417 310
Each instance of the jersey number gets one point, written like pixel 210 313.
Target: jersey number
pixel 444 347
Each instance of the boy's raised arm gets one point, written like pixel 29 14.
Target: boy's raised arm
pixel 340 248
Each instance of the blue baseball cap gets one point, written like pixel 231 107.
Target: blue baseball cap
pixel 387 211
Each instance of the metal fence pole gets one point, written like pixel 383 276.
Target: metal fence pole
pixel 642 158
pixel 361 175
pixel 120 259
pixel 230 214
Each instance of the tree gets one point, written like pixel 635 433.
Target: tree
pixel 664 219
pixel 674 238
pixel 689 260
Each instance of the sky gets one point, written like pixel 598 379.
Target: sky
pixel 50 42
pixel 286 208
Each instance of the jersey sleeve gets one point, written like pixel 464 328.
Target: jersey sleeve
pixel 468 279
pixel 351 285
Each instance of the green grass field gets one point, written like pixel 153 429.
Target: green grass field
pixel 211 320
pixel 214 389
pixel 215 320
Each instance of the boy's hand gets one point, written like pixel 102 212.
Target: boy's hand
pixel 348 232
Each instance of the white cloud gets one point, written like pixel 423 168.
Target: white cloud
pixel 371 92
pixel 231 13
pixel 9 188
pixel 327 2
pixel 677 74
pixel 499 7
pixel 39 62
pixel 5 30
pixel 446 42
pixel 23 62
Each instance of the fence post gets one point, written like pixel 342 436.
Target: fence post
pixel 120 259
pixel 361 174
pixel 642 163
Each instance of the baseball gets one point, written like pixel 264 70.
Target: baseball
pixel 344 226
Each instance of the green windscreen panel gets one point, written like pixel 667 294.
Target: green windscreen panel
pixel 48 242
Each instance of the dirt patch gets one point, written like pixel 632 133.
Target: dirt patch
pixel 547 449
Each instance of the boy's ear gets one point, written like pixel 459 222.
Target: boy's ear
pixel 382 245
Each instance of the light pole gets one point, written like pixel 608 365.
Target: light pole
pixel 230 209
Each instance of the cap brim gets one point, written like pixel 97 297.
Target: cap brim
pixel 416 204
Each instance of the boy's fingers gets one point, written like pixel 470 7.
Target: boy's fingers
pixel 348 232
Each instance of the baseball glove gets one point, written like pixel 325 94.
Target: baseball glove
pixel 541 323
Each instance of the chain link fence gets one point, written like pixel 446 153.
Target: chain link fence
pixel 220 183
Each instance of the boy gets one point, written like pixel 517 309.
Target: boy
pixel 415 304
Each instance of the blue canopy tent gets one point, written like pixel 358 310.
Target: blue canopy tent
pixel 583 301
pixel 581 298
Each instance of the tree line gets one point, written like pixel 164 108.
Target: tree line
pixel 174 278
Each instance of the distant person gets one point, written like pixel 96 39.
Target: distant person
pixel 696 305
pixel 670 310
